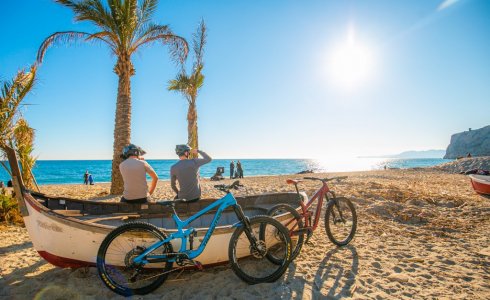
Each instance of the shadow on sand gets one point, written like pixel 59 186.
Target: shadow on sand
pixel 334 279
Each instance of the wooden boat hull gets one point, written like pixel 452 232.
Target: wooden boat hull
pixel 480 183
pixel 69 237
pixel 68 232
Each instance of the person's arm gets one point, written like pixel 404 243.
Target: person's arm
pixel 153 175
pixel 173 182
pixel 154 181
pixel 205 158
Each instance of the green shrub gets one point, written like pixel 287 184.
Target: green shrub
pixel 9 209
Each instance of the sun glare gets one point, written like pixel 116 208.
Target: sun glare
pixel 350 64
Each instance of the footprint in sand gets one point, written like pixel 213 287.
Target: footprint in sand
pixel 376 265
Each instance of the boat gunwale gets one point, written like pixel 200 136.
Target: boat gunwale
pixel 95 227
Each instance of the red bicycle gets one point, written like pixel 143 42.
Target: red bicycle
pixel 340 216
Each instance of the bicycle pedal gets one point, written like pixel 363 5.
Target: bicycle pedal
pixel 198 265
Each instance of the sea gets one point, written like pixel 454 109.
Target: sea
pixel 71 171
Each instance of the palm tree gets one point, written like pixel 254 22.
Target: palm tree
pixel 189 85
pixel 125 26
pixel 12 95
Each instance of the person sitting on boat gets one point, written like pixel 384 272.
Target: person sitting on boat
pixel 133 170
pixel 186 172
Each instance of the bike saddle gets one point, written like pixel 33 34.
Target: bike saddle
pixel 293 181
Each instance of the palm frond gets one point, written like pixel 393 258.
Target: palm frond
pixel 199 40
pixel 106 37
pixel 12 94
pixel 161 33
pixel 146 11
pixel 60 38
pixel 90 10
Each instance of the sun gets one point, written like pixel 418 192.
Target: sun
pixel 350 64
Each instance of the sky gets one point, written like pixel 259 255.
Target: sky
pixel 283 78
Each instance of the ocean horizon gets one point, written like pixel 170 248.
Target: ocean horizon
pixel 71 171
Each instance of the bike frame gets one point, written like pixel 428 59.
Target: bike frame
pixel 183 234
pixel 319 195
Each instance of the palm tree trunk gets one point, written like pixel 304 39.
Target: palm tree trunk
pixel 122 129
pixel 192 139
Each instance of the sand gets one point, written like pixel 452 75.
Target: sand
pixel 421 234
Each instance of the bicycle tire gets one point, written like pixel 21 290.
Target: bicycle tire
pixel 297 240
pixel 250 268
pixel 347 210
pixel 113 256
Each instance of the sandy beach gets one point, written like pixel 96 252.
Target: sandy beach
pixel 422 234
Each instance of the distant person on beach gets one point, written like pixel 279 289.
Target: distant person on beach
pixel 469 155
pixel 239 169
pixel 85 177
pixel 232 169
pixel 133 170
pixel 186 172
pixel 90 179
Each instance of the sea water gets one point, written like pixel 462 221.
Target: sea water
pixel 71 171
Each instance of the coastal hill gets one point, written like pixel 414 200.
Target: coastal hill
pixel 412 154
pixel 476 142
pixel 420 154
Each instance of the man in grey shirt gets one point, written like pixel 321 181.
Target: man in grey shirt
pixel 186 172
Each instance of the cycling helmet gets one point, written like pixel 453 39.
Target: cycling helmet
pixel 131 150
pixel 182 149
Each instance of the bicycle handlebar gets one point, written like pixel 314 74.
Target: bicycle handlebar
pixel 338 178
pixel 226 188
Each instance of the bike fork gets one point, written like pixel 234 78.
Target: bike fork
pixel 246 224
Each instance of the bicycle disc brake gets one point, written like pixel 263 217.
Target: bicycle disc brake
pixel 259 250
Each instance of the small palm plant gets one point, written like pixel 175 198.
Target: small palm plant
pixel 124 26
pixel 24 144
pixel 189 84
pixel 15 131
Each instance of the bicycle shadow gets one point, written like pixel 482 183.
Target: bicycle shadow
pixel 334 278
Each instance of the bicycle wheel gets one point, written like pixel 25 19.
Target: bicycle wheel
pixel 340 221
pixel 249 259
pixel 295 226
pixel 115 259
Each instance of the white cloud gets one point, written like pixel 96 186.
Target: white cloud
pixel 446 3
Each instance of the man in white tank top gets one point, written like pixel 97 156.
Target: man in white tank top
pixel 133 170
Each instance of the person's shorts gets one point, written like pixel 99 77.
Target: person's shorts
pixel 134 201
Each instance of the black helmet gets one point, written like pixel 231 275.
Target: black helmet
pixel 131 150
pixel 182 149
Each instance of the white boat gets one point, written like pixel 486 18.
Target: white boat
pixel 68 232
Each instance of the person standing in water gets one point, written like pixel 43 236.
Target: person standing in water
pixel 239 169
pixel 85 177
pixel 232 169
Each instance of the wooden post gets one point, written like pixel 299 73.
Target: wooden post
pixel 17 180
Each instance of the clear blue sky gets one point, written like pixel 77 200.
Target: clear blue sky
pixel 271 87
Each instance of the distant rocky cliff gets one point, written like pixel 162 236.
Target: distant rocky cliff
pixel 476 142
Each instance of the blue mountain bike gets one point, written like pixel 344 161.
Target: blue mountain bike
pixel 135 258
